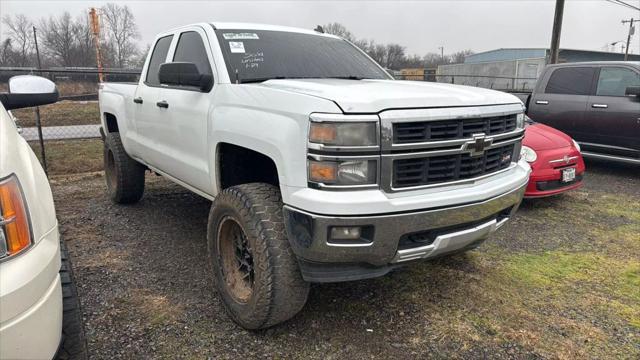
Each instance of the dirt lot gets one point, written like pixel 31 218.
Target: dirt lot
pixel 560 281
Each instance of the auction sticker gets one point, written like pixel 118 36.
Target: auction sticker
pixel 236 47
pixel 240 36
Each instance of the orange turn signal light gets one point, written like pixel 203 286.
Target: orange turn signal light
pixel 322 133
pixel 323 172
pixel 14 220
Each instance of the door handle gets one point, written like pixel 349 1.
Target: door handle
pixel 599 106
pixel 162 104
pixel 542 102
pixel 137 100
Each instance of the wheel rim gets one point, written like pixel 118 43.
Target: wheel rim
pixel 110 170
pixel 236 259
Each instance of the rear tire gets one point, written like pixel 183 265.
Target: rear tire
pixel 256 271
pixel 73 344
pixel 124 176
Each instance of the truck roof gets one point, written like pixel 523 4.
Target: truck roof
pixel 254 26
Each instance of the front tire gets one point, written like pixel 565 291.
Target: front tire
pixel 256 272
pixel 124 176
pixel 73 345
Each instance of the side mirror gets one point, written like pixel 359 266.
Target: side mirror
pixel 632 91
pixel 29 90
pixel 184 74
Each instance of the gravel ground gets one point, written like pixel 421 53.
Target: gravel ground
pixel 560 281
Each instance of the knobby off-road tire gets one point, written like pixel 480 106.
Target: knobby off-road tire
pixel 73 344
pixel 124 176
pixel 262 286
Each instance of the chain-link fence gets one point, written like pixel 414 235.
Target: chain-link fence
pixel 68 138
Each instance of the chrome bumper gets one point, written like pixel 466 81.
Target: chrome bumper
pixel 453 228
pixel 450 242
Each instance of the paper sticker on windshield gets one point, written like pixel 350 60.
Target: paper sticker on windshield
pixel 240 36
pixel 236 47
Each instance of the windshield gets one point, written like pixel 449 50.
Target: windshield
pixel 258 55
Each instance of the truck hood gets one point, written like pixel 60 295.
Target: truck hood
pixel 372 96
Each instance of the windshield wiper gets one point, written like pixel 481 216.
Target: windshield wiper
pixel 259 80
pixel 345 77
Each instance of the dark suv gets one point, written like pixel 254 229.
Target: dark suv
pixel 596 103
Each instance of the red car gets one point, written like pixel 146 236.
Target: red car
pixel 555 160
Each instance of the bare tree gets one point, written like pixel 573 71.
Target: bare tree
pixel 84 50
pixel 377 52
pixel 6 52
pixel 338 30
pixel 58 39
pixel 432 60
pixel 395 56
pixel 20 31
pixel 122 32
pixel 458 57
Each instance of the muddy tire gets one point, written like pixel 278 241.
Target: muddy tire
pixel 73 344
pixel 124 176
pixel 256 272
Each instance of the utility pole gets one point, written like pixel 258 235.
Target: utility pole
pixel 631 31
pixel 442 53
pixel 95 29
pixel 557 29
pixel 37 111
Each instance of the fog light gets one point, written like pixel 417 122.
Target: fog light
pixel 346 233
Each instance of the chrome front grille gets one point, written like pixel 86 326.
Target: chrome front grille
pixel 438 147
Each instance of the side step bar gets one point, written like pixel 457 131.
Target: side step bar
pixel 611 157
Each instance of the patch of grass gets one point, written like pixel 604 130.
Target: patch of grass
pixel 62 113
pixel 71 156
pixel 552 268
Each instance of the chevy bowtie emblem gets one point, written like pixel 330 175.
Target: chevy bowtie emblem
pixel 478 145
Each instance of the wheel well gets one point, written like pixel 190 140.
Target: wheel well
pixel 238 165
pixel 112 123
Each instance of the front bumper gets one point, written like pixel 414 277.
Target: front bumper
pixel 546 175
pixel 31 301
pixel 391 239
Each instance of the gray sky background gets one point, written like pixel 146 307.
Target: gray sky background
pixel 421 26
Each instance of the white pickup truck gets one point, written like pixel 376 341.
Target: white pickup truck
pixel 320 166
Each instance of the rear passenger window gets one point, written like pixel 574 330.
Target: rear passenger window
pixel 614 81
pixel 571 81
pixel 191 49
pixel 158 57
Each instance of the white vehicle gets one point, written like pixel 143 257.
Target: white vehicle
pixel 321 167
pixel 39 310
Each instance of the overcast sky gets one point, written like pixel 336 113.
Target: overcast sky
pixel 421 26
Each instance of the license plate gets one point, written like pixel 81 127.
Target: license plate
pixel 568 175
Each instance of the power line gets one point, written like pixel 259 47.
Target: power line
pixel 622 3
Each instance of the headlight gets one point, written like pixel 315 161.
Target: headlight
pixel 353 131
pixel 528 154
pixel 15 232
pixel 576 145
pixel 345 172
pixel 520 121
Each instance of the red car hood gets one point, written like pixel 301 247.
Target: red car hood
pixel 543 137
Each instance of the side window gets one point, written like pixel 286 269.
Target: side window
pixel 191 49
pixel 571 81
pixel 614 81
pixel 158 56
